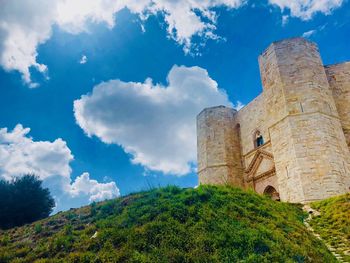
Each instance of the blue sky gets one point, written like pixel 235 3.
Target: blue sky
pixel 158 64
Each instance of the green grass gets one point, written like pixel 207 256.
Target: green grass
pixel 333 224
pixel 207 224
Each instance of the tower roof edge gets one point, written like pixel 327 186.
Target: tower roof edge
pixel 216 107
pixel 291 39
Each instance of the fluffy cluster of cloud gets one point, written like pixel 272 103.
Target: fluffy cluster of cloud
pixel 154 123
pixel 20 154
pixel 24 24
pixel 306 9
pixel 94 190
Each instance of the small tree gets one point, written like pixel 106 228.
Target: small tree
pixel 23 200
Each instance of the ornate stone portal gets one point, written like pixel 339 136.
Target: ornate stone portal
pixel 292 141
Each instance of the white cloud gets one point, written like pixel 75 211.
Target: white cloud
pixel 285 19
pixel 156 124
pixel 94 190
pixel 312 32
pixel 306 9
pixel 20 154
pixel 83 59
pixel 25 24
pixel 309 33
pixel 239 105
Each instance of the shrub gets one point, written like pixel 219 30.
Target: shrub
pixel 23 201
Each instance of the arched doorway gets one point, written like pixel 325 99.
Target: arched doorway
pixel 272 192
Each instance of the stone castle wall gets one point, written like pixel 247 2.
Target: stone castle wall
pixel 339 81
pixel 303 114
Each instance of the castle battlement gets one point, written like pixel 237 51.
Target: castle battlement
pixel 292 141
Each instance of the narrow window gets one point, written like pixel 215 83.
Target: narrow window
pixel 258 139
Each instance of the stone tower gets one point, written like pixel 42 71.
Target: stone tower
pixel 219 156
pixel 339 81
pixel 309 147
pixel 303 115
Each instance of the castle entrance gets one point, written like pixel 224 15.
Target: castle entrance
pixel 272 192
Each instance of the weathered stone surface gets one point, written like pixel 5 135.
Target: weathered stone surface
pixel 303 115
pixel 219 155
pixel 339 80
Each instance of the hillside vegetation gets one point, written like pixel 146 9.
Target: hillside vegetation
pixel 333 223
pixel 207 224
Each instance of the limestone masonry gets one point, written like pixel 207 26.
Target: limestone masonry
pixel 292 141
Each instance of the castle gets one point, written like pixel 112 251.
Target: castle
pixel 292 141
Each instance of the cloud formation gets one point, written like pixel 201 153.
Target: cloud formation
pixel 154 123
pixel 306 9
pixel 313 32
pixel 25 24
pixel 309 33
pixel 20 154
pixel 92 189
pixel 83 59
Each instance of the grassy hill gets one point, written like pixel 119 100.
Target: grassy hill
pixel 333 223
pixel 208 224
